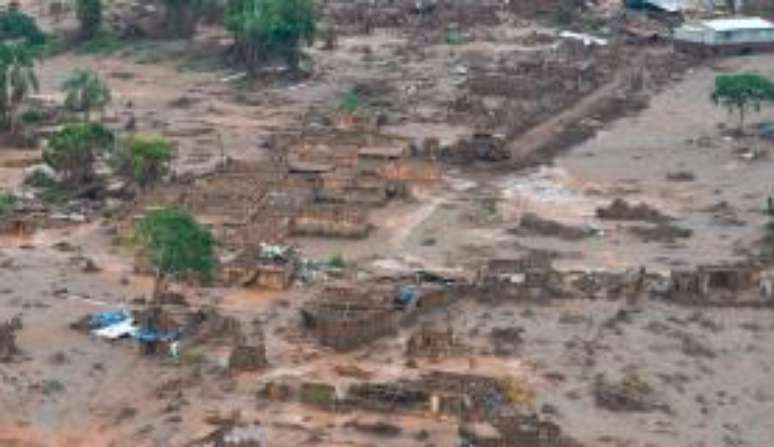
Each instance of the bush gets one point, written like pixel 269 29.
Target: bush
pixel 7 202
pixel 177 243
pixel 73 150
pixel 40 179
pixel 337 262
pixel 143 159
pixel 350 103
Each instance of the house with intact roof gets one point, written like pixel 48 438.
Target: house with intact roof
pixel 739 35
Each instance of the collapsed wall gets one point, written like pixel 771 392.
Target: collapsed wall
pixel 8 348
pixel 331 221
pixel 345 318
pixel 729 284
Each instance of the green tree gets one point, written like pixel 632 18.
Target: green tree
pixel 21 41
pixel 144 159
pixel 264 29
pixel 741 93
pixel 73 150
pixel 89 13
pixel 16 25
pixel 85 91
pixel 17 80
pixel 177 243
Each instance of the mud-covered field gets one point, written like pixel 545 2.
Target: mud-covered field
pixel 610 160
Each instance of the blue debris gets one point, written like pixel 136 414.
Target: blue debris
pixel 767 131
pixel 109 318
pixel 407 295
pixel 146 335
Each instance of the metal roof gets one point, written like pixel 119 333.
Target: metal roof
pixel 742 23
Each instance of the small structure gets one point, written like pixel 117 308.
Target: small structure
pixel 725 36
pixel 345 318
pixel 717 284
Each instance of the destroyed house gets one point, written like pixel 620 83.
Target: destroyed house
pixel 345 318
pixel 234 435
pixel 17 225
pixel 432 341
pixel 366 190
pixel 715 283
pixel 529 271
pixel 266 266
pixel 725 36
pixel 514 431
pixel 331 221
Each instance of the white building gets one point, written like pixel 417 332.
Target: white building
pixel 726 36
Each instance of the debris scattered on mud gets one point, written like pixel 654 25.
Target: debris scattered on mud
pixel 620 209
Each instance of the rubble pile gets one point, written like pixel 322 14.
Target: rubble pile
pixel 210 326
pixel 433 342
pixel 620 209
pixel 136 18
pixel 480 147
pixel 423 16
pixel 535 86
pixel 248 357
pixel 531 223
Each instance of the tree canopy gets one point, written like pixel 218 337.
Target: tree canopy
pixel 177 243
pixel 264 29
pixel 16 25
pixel 742 92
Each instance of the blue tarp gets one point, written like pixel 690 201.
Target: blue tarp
pixel 104 319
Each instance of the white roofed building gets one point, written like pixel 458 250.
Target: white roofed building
pixel 739 35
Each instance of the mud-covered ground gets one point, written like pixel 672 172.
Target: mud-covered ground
pixel 709 369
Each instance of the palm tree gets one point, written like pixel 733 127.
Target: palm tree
pixel 85 91
pixel 17 80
